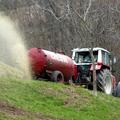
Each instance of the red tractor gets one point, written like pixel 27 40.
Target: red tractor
pixel 106 82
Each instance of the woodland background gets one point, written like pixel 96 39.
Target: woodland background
pixel 66 24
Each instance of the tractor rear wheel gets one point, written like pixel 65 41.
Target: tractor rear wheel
pixel 57 76
pixel 104 81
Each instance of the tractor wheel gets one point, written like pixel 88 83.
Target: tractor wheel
pixel 117 92
pixel 57 76
pixel 104 81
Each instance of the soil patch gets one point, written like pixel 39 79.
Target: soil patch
pixel 5 107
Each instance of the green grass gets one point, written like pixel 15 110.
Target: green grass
pixel 47 100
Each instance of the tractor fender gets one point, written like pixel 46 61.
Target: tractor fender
pixel 114 82
pixel 97 67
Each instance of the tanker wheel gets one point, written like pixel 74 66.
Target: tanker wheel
pixel 104 81
pixel 57 76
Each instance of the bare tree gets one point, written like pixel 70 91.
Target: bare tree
pixel 66 24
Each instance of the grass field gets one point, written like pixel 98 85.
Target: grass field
pixel 39 100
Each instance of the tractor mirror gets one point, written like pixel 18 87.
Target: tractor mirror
pixel 114 60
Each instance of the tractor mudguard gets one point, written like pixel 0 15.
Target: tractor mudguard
pixel 97 67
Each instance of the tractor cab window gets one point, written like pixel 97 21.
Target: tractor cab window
pixel 85 57
pixel 105 58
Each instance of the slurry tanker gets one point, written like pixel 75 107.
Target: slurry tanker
pixel 50 65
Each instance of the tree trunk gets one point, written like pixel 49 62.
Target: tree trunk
pixel 94 73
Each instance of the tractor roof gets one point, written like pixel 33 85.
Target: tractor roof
pixel 88 49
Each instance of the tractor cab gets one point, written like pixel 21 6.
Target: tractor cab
pixel 82 57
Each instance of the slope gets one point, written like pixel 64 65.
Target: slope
pixel 39 100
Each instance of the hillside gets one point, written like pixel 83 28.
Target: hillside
pixel 39 100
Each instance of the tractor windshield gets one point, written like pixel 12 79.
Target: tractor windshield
pixel 85 57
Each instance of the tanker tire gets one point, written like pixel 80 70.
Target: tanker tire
pixel 57 76
pixel 104 81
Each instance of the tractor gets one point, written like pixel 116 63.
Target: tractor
pixel 105 81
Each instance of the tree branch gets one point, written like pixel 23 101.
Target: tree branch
pixel 87 10
pixel 50 11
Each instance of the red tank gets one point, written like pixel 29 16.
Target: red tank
pixel 43 61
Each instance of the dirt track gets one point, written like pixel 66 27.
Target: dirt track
pixel 5 107
pixel 10 109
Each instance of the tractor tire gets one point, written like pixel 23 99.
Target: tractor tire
pixel 57 76
pixel 117 91
pixel 104 81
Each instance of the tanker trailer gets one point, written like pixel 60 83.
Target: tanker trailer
pixel 50 65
